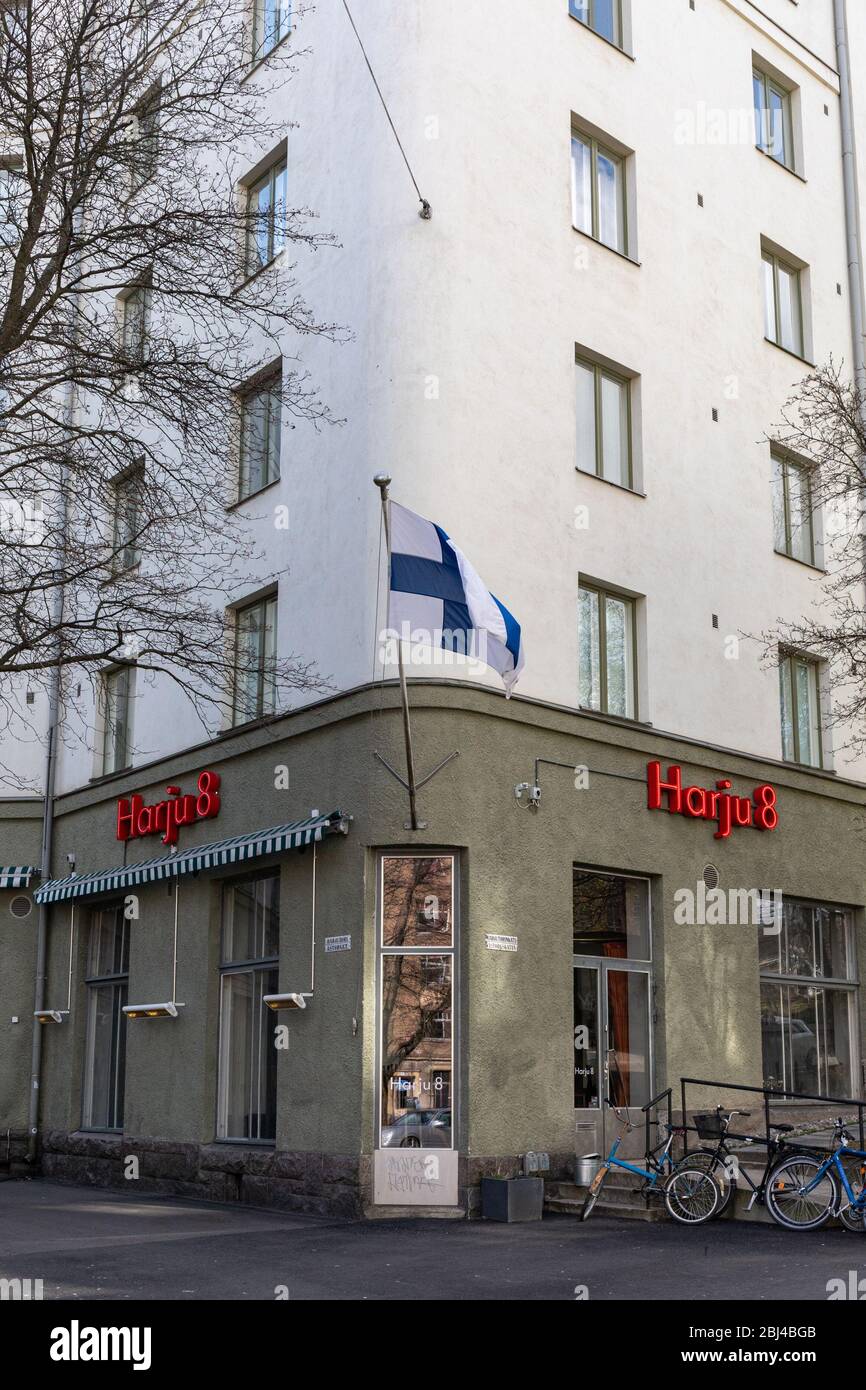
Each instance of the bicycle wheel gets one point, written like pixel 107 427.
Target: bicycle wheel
pixel 708 1162
pixel 691 1196
pixel 593 1193
pixel 789 1203
pixel 854 1219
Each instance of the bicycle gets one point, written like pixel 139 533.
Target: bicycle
pixel 806 1190
pixel 691 1195
pixel 717 1161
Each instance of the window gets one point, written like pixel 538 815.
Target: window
pixel 255 660
pixel 773 124
pixel 603 423
pixel 134 314
pixel 598 191
pixel 266 217
pixel 247 1086
pixel 145 136
pixel 783 309
pixel 808 997
pixel 801 710
pixel 604 16
pixel 611 989
pixel 11 204
pixel 105 1045
pixel 261 412
pixel 270 25
pixel 792 509
pixel 116 694
pixel 417 1062
pixel 127 520
pixel 606 652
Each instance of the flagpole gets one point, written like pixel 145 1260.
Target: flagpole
pixel 383 482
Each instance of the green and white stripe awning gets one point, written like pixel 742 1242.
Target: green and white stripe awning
pixel 214 856
pixel 17 876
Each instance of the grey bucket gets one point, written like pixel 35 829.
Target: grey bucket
pixel 585 1169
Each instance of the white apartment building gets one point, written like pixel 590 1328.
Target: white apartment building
pixel 639 247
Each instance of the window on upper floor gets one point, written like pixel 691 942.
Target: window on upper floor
pixel 255 652
pixel 134 306
pixel 783 302
pixel 800 694
pixel 116 700
pixel 774 124
pixel 260 434
pixel 599 190
pixel 271 24
pixel 793 518
pixel 604 16
pixel 127 519
pixel 11 203
pixel 606 652
pixel 266 216
pixel 604 421
pixel 145 138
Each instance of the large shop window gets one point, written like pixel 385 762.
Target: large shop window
pixel 105 1049
pixel 417 967
pixel 612 990
pixel 808 998
pixel 247 1090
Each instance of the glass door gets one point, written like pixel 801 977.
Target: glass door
pixel 612 1002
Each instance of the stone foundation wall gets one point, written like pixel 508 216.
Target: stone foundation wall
pixel 330 1185
pixel 318 1184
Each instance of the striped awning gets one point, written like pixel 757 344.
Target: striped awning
pixel 17 876
pixel 238 850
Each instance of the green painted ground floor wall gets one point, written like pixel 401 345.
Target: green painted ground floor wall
pixel 514 1010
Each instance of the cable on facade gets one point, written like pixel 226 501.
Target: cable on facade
pixel 426 210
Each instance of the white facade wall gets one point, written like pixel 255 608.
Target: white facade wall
pixel 481 309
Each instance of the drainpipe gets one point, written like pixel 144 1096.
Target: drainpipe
pixel 55 695
pixel 852 203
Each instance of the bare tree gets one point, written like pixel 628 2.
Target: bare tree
pixel 142 283
pixel 821 443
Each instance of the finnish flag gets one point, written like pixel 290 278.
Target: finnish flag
pixel 435 591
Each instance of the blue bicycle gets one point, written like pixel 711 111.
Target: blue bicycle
pixel 691 1195
pixel 806 1190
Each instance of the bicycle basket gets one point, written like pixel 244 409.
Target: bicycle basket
pixel 710 1126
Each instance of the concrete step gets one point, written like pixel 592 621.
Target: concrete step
pixel 619 1197
pixel 391 1213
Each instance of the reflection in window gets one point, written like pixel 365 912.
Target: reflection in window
pixel 604 16
pixel 598 192
pixel 801 710
pixel 416 1001
pixel 792 509
pixel 606 666
pixel 247 1086
pixel 266 213
pixel 611 916
pixel 105 1046
pixel 808 994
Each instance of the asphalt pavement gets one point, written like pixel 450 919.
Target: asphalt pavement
pixel 89 1243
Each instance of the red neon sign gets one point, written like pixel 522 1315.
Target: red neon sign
pixel 134 819
pixel 759 812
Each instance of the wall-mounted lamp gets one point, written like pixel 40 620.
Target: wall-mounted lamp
pixel 58 1015
pixel 167 1010
pixel 285 1001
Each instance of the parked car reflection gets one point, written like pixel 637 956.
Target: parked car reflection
pixel 419 1129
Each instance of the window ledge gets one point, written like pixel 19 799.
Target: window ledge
pixel 807 564
pixel 260 62
pixel 251 496
pixel 248 279
pixel 779 165
pixel 623 255
pixel 621 487
pixel 248 1143
pixel 615 718
pixel 789 352
pixel 610 43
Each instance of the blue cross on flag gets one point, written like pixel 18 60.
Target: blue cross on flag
pixel 437 593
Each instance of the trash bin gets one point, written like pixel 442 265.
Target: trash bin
pixel 585 1169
